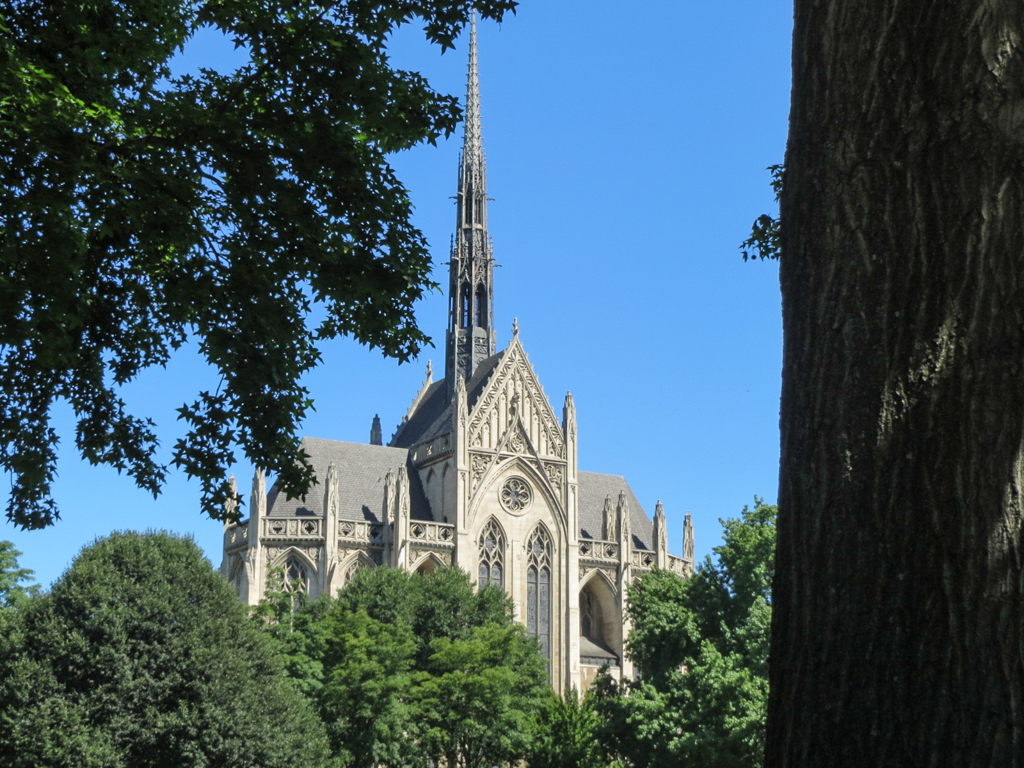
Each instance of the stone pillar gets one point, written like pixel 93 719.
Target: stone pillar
pixel 572 514
pixel 688 555
pixel 328 564
pixel 625 576
pixel 255 567
pixel 660 536
pixel 465 552
pixel 398 485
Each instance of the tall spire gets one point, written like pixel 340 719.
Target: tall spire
pixel 471 336
pixel 472 143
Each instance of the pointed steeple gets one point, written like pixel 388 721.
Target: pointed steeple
pixel 472 141
pixel 471 336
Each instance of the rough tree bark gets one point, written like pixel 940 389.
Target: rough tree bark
pixel 897 633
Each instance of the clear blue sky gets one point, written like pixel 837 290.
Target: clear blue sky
pixel 626 147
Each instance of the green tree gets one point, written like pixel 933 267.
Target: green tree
pixel 478 695
pixel 141 655
pixel 140 209
pixel 567 733
pixel 12 592
pixel 763 242
pixel 418 668
pixel 365 700
pixel 296 629
pixel 701 647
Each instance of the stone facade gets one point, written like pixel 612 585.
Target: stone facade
pixel 481 473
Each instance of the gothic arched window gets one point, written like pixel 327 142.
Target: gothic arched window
pixel 591 616
pixel 481 306
pixel 466 308
pixel 538 589
pixel 296 576
pixel 239 581
pixel 492 556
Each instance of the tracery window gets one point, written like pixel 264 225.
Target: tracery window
pixel 538 589
pixel 466 307
pixel 515 494
pixel 296 576
pixel 492 555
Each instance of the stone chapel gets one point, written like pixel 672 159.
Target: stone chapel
pixel 481 473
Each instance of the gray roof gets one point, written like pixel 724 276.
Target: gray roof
pixel 361 472
pixel 594 488
pixel 593 648
pixel 433 415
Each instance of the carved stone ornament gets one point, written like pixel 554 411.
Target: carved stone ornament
pixel 515 495
pixel 478 468
pixel 554 472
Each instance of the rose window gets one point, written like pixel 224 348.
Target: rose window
pixel 515 494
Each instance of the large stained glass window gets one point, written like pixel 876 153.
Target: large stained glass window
pixel 492 555
pixel 538 589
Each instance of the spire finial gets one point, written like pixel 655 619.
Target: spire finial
pixel 472 145
pixel 430 368
pixel 515 326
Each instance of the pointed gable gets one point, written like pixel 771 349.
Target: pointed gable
pixel 513 395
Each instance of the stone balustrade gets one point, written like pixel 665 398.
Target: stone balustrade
pixel 441 535
pixel 360 530
pixel 595 549
pixel 293 528
pixel 680 565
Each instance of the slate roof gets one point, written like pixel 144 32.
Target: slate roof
pixel 433 415
pixel 594 487
pixel 361 472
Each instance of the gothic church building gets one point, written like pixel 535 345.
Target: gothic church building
pixel 481 473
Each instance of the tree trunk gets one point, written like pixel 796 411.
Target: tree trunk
pixel 897 630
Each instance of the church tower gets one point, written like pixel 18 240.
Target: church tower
pixel 471 336
pixel 481 473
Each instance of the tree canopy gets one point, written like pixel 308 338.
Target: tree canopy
pixel 12 589
pixel 701 647
pixel 409 669
pixel 139 209
pixel 141 655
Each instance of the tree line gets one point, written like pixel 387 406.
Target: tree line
pixel 142 655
